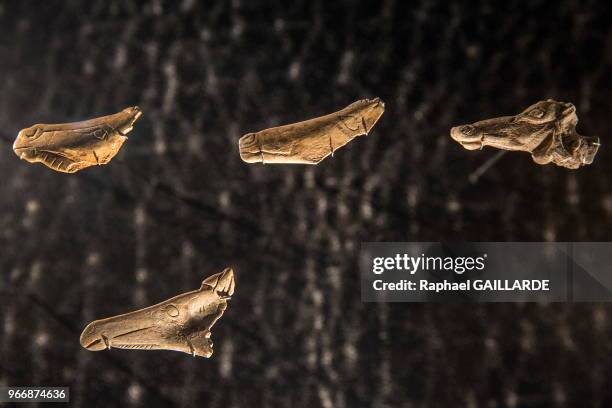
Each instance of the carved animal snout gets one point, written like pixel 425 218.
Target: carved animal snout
pixel 26 152
pixel 25 139
pixel 250 150
pixel 468 136
pixel 91 338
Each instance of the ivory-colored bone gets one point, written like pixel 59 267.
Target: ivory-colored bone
pixel 182 323
pixel 70 147
pixel 311 141
pixel 546 129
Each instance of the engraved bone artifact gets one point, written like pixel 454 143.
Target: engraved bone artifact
pixel 70 147
pixel 311 141
pixel 182 323
pixel 546 129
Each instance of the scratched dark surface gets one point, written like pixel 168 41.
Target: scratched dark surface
pixel 177 204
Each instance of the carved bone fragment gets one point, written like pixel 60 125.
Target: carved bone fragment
pixel 311 141
pixel 546 129
pixel 182 323
pixel 70 147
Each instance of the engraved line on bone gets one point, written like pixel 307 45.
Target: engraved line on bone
pixel 131 331
pixel 106 342
pixel 93 342
pixel 44 155
pixel 82 130
pixel 136 346
pixel 53 153
pixel 343 119
pixel 276 152
pixel 96 156
pixel 260 150
pixel 365 127
pixel 343 129
pixel 100 133
pixel 57 163
pixel 191 347
pixel 37 134
pixel 331 146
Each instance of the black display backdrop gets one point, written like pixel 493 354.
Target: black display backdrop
pixel 177 204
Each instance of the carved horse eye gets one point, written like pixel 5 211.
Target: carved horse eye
pixel 537 113
pixel 172 310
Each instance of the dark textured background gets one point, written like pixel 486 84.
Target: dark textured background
pixel 177 204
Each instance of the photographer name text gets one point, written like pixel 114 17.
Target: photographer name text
pixel 467 285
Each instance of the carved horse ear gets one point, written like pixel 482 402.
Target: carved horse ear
pixel 568 118
pixel 211 281
pixel 224 279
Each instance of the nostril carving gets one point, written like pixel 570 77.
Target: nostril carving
pixel 34 133
pixel 466 130
pixel 247 140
